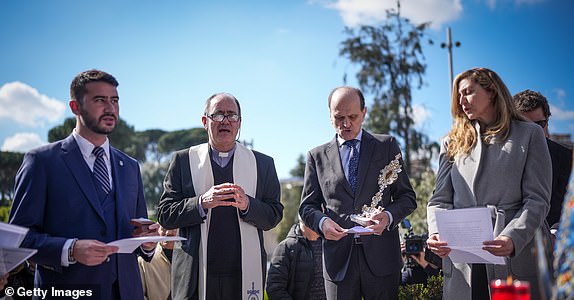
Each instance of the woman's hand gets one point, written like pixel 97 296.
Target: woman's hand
pixel 437 246
pixel 501 246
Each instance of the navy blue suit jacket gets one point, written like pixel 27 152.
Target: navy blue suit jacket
pixel 55 197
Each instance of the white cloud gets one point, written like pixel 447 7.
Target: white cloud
pixel 559 114
pixel 282 31
pixel 370 12
pixel 492 3
pixel 22 142
pixel 420 115
pixel 25 105
pixel 560 94
pixel 438 12
pixel 527 2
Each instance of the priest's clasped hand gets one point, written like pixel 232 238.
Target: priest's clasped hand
pixel 225 194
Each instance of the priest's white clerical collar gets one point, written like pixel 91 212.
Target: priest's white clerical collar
pixel 222 158
pixel 223 154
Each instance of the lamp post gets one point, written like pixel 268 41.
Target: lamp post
pixel 448 45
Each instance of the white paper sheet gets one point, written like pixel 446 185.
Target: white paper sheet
pixel 359 229
pixel 10 258
pixel 465 230
pixel 130 244
pixel 11 235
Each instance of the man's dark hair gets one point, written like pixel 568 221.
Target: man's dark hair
pixel 359 93
pixel 528 100
pixel 78 86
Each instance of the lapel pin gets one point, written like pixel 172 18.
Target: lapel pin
pixel 121 163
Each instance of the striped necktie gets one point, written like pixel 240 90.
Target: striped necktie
pixel 353 163
pixel 100 170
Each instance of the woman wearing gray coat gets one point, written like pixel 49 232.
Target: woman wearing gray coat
pixel 491 158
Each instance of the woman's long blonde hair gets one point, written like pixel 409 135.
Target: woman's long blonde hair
pixel 463 137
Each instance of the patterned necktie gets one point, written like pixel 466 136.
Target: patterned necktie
pixel 353 163
pixel 100 169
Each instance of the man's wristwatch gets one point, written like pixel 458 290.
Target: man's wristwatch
pixel 71 259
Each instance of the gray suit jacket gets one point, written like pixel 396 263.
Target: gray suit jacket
pixel 179 208
pixel 513 178
pixel 327 193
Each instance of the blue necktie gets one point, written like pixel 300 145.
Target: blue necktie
pixel 100 170
pixel 353 163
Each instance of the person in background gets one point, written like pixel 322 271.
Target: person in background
pixel 221 196
pixel 296 270
pixel 417 269
pixel 22 276
pixel 534 106
pixel 340 177
pixel 77 194
pixel 492 157
pixel 156 274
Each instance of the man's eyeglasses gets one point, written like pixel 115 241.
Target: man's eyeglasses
pixel 221 117
pixel 542 123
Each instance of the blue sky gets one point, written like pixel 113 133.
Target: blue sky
pixel 278 57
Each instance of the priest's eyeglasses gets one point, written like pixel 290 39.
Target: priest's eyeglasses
pixel 221 117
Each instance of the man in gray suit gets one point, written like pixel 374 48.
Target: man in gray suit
pixel 221 196
pixel 341 177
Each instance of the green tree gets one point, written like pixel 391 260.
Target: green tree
pixel 123 137
pixel 290 198
pixel 299 170
pixel 423 187
pixel 431 291
pixel 181 139
pixel 161 144
pixel 153 174
pixel 151 138
pixel 5 212
pixel 9 164
pixel 62 131
pixel 390 60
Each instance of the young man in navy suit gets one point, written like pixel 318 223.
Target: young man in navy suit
pixel 77 194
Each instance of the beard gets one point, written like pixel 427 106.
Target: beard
pixel 93 123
